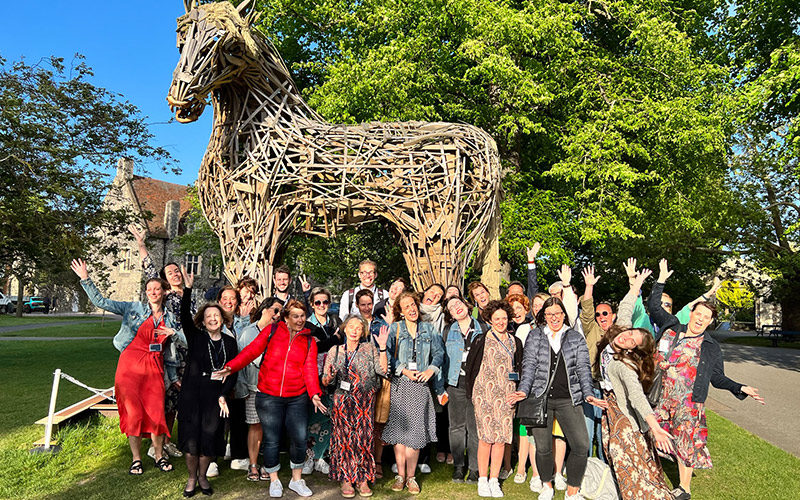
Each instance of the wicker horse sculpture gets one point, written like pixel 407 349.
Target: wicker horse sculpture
pixel 274 166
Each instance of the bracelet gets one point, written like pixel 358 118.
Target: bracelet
pixel 704 297
pixel 566 286
pixel 382 350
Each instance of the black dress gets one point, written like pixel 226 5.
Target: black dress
pixel 200 428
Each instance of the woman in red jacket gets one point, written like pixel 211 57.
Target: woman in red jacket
pixel 287 378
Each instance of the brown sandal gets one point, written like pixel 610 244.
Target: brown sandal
pixel 378 470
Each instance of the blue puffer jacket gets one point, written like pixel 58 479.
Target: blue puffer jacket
pixel 454 348
pixel 133 315
pixel 430 350
pixel 536 364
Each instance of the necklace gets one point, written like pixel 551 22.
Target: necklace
pixel 212 357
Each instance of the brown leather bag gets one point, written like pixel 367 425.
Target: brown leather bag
pixel 382 399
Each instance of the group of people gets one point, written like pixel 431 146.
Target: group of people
pixel 405 369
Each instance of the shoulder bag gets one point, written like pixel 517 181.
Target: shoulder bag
pixel 532 411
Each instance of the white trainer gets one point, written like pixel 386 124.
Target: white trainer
pixel 300 487
pixel 547 493
pixel 520 478
pixel 576 496
pixel 560 482
pixel 394 468
pixel 240 464
pixel 494 487
pixel 424 468
pixel 322 466
pixel 536 484
pixel 213 470
pixel 308 466
pixel 483 487
pixel 275 489
pixel 227 452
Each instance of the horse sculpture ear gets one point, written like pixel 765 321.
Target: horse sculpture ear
pixel 188 5
pixel 242 8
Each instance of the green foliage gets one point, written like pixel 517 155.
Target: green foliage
pixel 55 127
pixel 735 295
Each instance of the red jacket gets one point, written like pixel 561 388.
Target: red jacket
pixel 287 370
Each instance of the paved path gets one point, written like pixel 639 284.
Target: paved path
pixel 775 371
pixel 53 338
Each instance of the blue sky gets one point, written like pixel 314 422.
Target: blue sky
pixel 131 48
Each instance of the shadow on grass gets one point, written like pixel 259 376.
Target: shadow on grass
pixel 788 359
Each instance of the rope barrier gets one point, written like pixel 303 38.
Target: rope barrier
pixel 77 382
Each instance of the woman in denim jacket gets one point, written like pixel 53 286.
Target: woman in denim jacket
pixel 417 355
pixel 139 379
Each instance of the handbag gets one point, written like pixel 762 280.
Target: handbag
pixel 383 398
pixel 532 411
pixel 657 387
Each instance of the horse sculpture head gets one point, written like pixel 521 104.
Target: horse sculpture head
pixel 215 45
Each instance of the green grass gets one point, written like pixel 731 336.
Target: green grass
pixel 761 342
pixel 95 457
pixel 35 318
pixel 94 329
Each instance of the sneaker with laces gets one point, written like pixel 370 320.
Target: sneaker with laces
pixel 240 464
pixel 680 494
pixel 424 468
pixel 576 496
pixel 504 474
pixel 472 477
pixel 300 487
pixel 494 487
pixel 520 478
pixel 172 450
pixel 458 474
pixel 560 482
pixel 308 466
pixel 412 486
pixel 536 484
pixel 483 487
pixel 398 484
pixel 275 489
pixel 547 493
pixel 213 470
pixel 322 466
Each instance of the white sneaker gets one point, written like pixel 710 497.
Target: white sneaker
pixel 213 470
pixel 483 487
pixel 576 496
pixel 275 489
pixel 424 468
pixel 308 466
pixel 394 468
pixel 536 484
pixel 240 464
pixel 547 493
pixel 151 453
pixel 504 474
pixel 300 487
pixel 494 487
pixel 560 482
pixel 520 478
pixel 322 466
pixel 227 452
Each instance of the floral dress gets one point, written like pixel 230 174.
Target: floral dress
pixel 676 412
pixel 493 416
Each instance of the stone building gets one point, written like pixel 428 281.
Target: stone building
pixel 168 205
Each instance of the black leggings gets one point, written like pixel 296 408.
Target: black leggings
pixel 571 420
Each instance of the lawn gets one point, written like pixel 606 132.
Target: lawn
pixel 95 456
pixel 35 318
pixel 108 328
pixel 761 342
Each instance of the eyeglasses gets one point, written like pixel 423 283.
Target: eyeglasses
pixel 553 315
pixel 366 273
pixel 322 302
pixel 601 313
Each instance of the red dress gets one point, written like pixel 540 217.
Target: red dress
pixel 139 384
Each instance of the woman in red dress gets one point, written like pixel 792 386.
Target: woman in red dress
pixel 139 380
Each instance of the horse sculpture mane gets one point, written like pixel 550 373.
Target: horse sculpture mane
pixel 274 167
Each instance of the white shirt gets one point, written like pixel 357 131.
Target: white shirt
pixel 555 338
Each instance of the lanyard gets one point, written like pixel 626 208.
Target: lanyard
pixel 414 339
pixel 155 324
pixel 510 353
pixel 348 358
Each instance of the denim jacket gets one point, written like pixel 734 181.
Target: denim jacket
pixel 133 315
pixel 430 349
pixel 454 348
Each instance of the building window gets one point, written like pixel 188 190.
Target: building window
pixel 125 261
pixel 216 269
pixel 192 263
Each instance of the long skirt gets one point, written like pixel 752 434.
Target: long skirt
pixel 632 457
pixel 352 437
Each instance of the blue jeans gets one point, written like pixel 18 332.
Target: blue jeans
pixel 274 413
pixel 594 418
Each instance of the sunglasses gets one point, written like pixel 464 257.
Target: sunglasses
pixel 601 313
pixel 322 302
pixel 276 310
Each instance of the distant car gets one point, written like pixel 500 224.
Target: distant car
pixel 6 305
pixel 33 304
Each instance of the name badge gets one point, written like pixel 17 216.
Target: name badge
pixel 513 376
pixel 345 386
pixel 663 345
pixel 155 347
pixel 464 356
pixel 412 366
pixel 216 376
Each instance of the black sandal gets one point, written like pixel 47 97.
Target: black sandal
pixel 164 465
pixel 253 474
pixel 136 468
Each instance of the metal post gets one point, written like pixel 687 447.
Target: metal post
pixel 48 430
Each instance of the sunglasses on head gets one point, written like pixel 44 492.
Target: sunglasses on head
pixel 322 302
pixel 601 313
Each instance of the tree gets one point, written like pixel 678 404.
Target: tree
pixel 735 296
pixel 56 129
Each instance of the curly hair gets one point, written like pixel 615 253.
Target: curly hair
pixel 496 305
pixel 640 358
pixel 397 312
pixel 518 297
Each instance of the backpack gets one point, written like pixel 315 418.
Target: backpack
pixel 598 482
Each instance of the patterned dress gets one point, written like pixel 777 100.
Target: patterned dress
pixel 493 416
pixel 351 439
pixel 676 412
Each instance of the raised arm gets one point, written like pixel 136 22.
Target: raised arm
pixel 94 294
pixel 533 285
pixel 661 317
pixel 628 303
pixel 587 302
pixel 683 314
pixel 147 262
pixel 569 297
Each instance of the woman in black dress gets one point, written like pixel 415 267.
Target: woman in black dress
pixel 202 401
